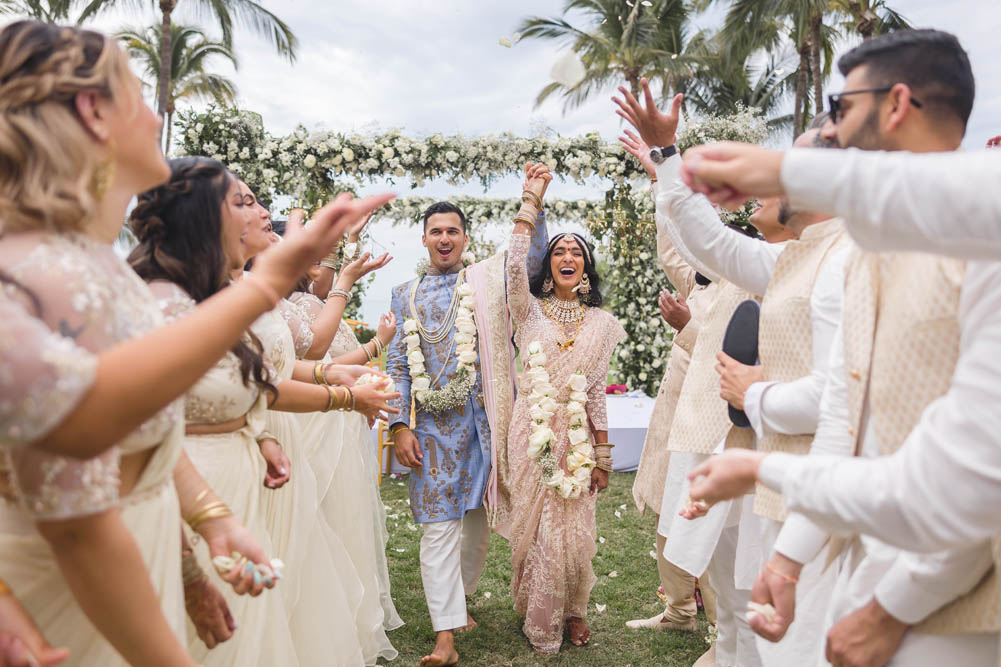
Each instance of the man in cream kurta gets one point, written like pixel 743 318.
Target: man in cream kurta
pixel 700 425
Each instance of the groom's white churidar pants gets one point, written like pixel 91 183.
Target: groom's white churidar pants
pixel 452 557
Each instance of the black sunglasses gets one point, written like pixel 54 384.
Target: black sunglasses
pixel 834 100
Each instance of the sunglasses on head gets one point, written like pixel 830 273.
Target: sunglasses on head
pixel 834 100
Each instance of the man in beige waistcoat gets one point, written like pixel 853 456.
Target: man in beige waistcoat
pixel 684 312
pixel 896 354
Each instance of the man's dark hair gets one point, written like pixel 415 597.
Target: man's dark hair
pixel 931 62
pixel 444 207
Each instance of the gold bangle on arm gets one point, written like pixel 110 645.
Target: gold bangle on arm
pixel 331 398
pixel 533 199
pixel 319 376
pixel 398 428
pixel 214 510
pixel 351 396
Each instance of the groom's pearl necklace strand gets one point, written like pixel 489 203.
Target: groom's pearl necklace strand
pixel 445 328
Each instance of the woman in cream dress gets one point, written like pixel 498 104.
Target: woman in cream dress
pixel 91 543
pixel 351 478
pixel 184 241
pixel 286 332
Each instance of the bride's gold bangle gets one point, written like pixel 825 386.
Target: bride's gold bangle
pixel 534 199
pixel 521 217
pixel 319 377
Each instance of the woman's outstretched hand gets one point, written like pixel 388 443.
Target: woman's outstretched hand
pixel 283 264
pixel 364 265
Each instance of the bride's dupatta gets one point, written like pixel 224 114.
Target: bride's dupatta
pixel 493 329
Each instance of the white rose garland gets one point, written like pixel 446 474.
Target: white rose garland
pixel 542 406
pixel 455 393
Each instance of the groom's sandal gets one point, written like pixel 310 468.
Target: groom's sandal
pixel 660 624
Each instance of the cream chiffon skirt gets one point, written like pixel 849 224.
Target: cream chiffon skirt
pixel 232 465
pixel 342 455
pixel 322 590
pixel 152 515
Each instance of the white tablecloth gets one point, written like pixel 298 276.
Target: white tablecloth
pixel 628 417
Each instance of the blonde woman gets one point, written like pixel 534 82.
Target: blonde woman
pixel 96 543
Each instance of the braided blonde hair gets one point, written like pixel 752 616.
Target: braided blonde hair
pixel 48 157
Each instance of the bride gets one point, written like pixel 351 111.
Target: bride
pixel 557 447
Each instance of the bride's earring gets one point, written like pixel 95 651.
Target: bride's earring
pixel 547 285
pixel 584 286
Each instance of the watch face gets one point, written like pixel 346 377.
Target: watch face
pixel 656 155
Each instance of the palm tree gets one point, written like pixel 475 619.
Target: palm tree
pixel 49 11
pixel 227 14
pixel 621 40
pixel 755 25
pixel 870 17
pixel 191 50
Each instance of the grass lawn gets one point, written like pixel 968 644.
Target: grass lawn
pixel 626 550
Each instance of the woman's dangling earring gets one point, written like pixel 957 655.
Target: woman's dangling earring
pixel 584 286
pixel 104 175
pixel 547 285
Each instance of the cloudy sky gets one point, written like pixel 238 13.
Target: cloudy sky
pixel 436 66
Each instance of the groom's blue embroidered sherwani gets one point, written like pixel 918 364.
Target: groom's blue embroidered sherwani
pixel 456 444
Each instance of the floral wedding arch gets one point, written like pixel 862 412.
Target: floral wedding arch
pixel 311 166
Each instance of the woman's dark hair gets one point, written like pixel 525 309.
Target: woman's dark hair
pixel 179 229
pixel 593 298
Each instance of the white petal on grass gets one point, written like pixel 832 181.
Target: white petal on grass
pixel 622 507
pixel 601 540
pixel 505 42
pixel 653 554
pixel 613 574
pixel 487 595
pixel 647 3
pixel 600 608
pixel 400 551
pixel 568 70
pixel 618 514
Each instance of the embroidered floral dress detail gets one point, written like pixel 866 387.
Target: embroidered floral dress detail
pixel 90 300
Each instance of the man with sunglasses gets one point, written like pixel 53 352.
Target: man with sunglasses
pixel 898 350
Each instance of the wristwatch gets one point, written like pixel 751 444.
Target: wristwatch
pixel 658 155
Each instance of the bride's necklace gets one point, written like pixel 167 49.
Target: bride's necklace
pixel 562 313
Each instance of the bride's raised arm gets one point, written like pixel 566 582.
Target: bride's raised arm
pixel 537 178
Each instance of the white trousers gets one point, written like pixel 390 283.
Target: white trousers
pixel 735 640
pixel 452 557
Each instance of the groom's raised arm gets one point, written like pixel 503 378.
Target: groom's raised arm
pixel 397 366
pixel 537 249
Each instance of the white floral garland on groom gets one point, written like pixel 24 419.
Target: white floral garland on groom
pixel 580 456
pixel 455 393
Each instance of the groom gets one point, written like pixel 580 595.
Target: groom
pixel 458 404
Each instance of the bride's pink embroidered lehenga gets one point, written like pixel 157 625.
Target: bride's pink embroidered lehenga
pixel 552 538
